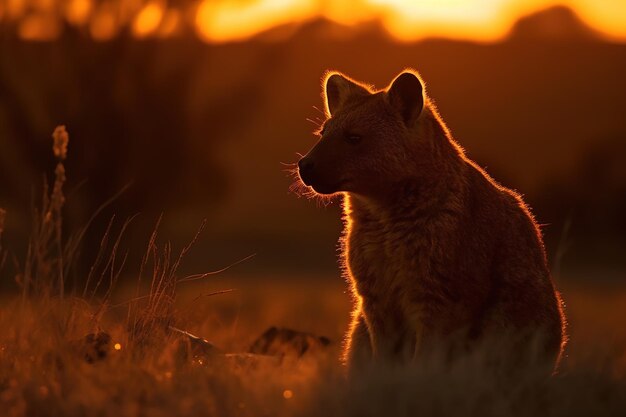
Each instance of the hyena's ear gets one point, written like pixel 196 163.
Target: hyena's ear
pixel 338 89
pixel 406 95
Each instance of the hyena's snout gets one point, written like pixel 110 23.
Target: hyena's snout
pixel 305 168
pixel 316 175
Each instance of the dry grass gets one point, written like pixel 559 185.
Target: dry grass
pixel 141 367
pixel 43 372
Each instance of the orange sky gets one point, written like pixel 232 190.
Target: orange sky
pixel 482 20
pixel 228 20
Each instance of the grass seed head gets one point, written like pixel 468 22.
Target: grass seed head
pixel 61 139
pixel 57 197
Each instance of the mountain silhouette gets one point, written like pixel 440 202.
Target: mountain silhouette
pixel 558 23
pixel 321 28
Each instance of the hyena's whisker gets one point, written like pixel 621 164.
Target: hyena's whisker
pixel 320 111
pixel 289 164
pixel 317 123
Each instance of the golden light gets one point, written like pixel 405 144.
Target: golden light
pixel 39 27
pixel 287 394
pixel 14 8
pixel 487 20
pixel 480 20
pixel 103 25
pixel 234 20
pixel 349 12
pixel 77 11
pixel 117 346
pixel 609 16
pixel 170 24
pixel 406 20
pixel 148 20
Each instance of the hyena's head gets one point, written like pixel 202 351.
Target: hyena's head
pixel 368 139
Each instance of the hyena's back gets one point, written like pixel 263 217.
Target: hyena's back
pixel 521 302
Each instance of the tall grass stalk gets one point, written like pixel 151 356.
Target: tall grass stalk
pixel 155 316
pixel 3 255
pixel 43 271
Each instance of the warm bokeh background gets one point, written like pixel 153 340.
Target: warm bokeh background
pixel 200 105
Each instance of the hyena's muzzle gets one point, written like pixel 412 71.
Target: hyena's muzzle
pixel 305 169
pixel 313 175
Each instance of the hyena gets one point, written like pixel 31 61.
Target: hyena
pixel 433 247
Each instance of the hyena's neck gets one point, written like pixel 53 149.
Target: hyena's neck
pixel 412 202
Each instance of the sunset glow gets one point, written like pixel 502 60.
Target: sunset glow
pixel 481 20
pixel 103 25
pixel 488 20
pixel 234 20
pixel 77 11
pixel 148 20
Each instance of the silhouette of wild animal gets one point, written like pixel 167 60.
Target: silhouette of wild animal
pixel 439 256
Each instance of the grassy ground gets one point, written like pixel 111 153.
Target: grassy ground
pixel 109 350
pixel 43 370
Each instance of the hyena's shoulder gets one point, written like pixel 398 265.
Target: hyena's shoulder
pixel 504 222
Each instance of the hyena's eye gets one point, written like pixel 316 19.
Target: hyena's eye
pixel 353 139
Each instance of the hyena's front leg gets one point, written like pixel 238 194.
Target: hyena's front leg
pixel 358 349
pixel 395 333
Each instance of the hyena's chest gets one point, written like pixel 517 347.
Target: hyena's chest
pixel 383 261
pixel 386 275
